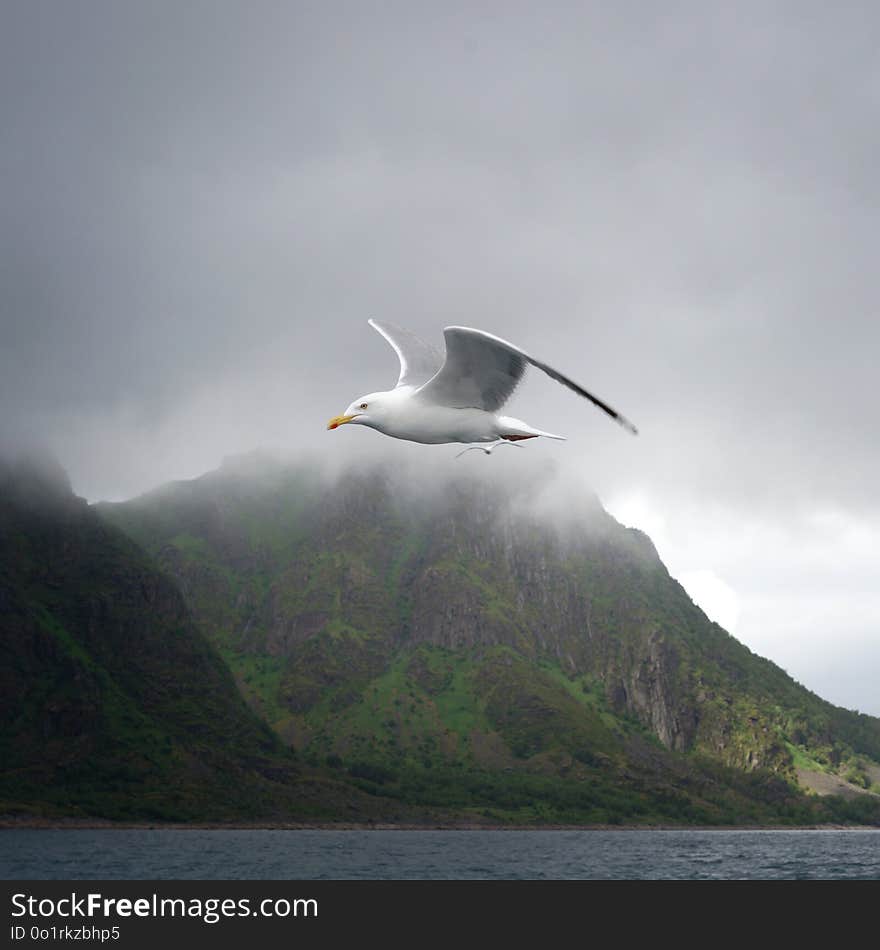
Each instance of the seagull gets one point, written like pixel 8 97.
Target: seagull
pixel 457 399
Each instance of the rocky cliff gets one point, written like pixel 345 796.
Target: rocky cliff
pixel 455 623
pixel 112 701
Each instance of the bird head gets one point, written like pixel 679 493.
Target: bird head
pixel 366 411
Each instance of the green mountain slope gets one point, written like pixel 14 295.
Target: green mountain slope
pixel 456 646
pixel 112 703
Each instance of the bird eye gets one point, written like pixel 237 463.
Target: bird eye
pixel 363 405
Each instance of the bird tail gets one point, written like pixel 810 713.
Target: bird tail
pixel 515 429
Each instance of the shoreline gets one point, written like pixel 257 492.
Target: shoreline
pixel 31 823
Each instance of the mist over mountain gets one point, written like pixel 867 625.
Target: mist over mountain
pixel 279 641
pixel 112 701
pixel 675 205
pixel 418 626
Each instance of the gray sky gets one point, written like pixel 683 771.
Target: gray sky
pixel 676 204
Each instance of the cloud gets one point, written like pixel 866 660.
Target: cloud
pixel 718 600
pixel 800 590
pixel 203 203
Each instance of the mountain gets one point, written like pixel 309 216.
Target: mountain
pixel 497 646
pixel 112 701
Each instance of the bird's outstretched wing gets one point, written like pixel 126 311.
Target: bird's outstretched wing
pixel 419 361
pixel 482 371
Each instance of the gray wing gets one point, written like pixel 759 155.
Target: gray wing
pixel 419 361
pixel 482 371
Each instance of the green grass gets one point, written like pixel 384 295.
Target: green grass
pixel 460 710
pixel 346 565
pixel 586 690
pixel 802 759
pixel 259 677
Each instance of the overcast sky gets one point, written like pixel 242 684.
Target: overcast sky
pixel 676 204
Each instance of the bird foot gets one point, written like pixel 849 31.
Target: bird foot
pixel 488 448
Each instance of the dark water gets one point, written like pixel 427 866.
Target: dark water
pixel 434 855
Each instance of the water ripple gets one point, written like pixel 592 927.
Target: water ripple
pixel 179 854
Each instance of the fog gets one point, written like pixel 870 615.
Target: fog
pixel 204 202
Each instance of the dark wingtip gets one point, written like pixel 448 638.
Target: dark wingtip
pixel 627 425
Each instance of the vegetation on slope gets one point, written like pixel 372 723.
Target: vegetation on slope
pixel 112 702
pixel 432 649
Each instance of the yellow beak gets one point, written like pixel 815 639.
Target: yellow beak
pixel 338 421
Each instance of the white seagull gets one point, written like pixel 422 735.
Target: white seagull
pixel 456 399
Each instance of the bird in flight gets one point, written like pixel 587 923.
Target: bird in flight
pixel 457 399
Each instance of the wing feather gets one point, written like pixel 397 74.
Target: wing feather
pixel 419 361
pixel 482 371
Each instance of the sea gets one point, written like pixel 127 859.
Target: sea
pixel 197 854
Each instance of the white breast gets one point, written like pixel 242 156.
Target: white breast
pixel 417 421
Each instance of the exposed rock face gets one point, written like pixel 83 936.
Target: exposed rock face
pixel 462 646
pixel 647 690
pixel 335 582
